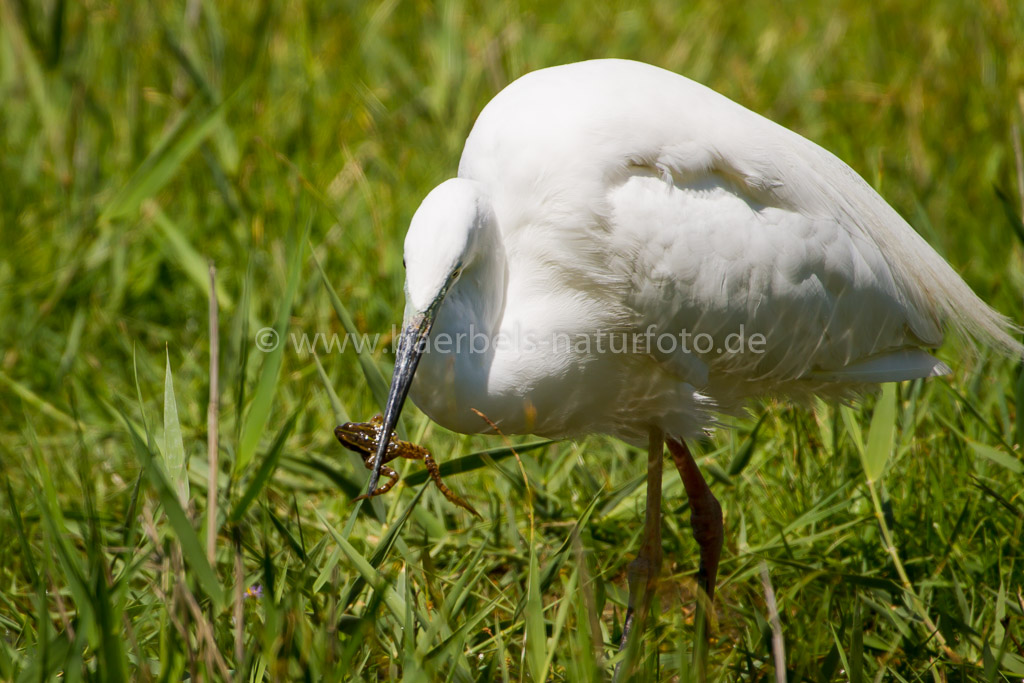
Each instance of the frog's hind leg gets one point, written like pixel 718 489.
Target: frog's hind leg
pixel 391 474
pixel 435 473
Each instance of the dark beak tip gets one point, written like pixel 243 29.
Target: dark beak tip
pixel 411 345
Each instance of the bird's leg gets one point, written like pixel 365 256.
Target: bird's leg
pixel 705 517
pixel 644 570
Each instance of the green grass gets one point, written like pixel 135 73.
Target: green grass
pixel 140 140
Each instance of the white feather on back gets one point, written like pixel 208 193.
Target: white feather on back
pixel 765 228
pixel 613 198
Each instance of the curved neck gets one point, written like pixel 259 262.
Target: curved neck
pixel 476 303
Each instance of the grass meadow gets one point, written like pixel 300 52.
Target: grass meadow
pixel 288 143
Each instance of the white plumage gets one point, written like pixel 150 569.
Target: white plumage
pixel 612 199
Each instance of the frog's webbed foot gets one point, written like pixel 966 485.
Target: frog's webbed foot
pixel 391 474
pixel 435 473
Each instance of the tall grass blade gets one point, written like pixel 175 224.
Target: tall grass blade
pixel 175 461
pixel 561 617
pixel 74 572
pixel 33 399
pixel 113 662
pixel 1018 399
pixel 340 414
pixel 177 145
pixel 554 566
pixel 842 653
pixel 1012 217
pixel 458 593
pixel 243 342
pixel 996 496
pixel 473 461
pixel 536 635
pixel 177 246
pixel 74 341
pixel 138 397
pixel 295 544
pixel 856 664
pixel 455 641
pixel 25 59
pixel 51 660
pixel 263 397
pixel 369 574
pixel 881 434
pixel 27 565
pixel 382 550
pixel 191 548
pixel 1005 460
pixel 743 455
pixel 264 472
pixel 371 372
pixel 850 421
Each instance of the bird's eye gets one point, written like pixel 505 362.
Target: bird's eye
pixel 456 273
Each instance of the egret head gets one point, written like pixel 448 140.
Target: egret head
pixel 447 232
pixel 443 238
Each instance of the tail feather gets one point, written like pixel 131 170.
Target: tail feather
pixel 935 290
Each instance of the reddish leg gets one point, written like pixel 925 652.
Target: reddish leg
pixel 705 516
pixel 644 570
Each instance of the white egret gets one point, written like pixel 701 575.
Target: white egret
pixel 626 252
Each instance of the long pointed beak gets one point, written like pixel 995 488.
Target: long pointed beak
pixel 411 345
